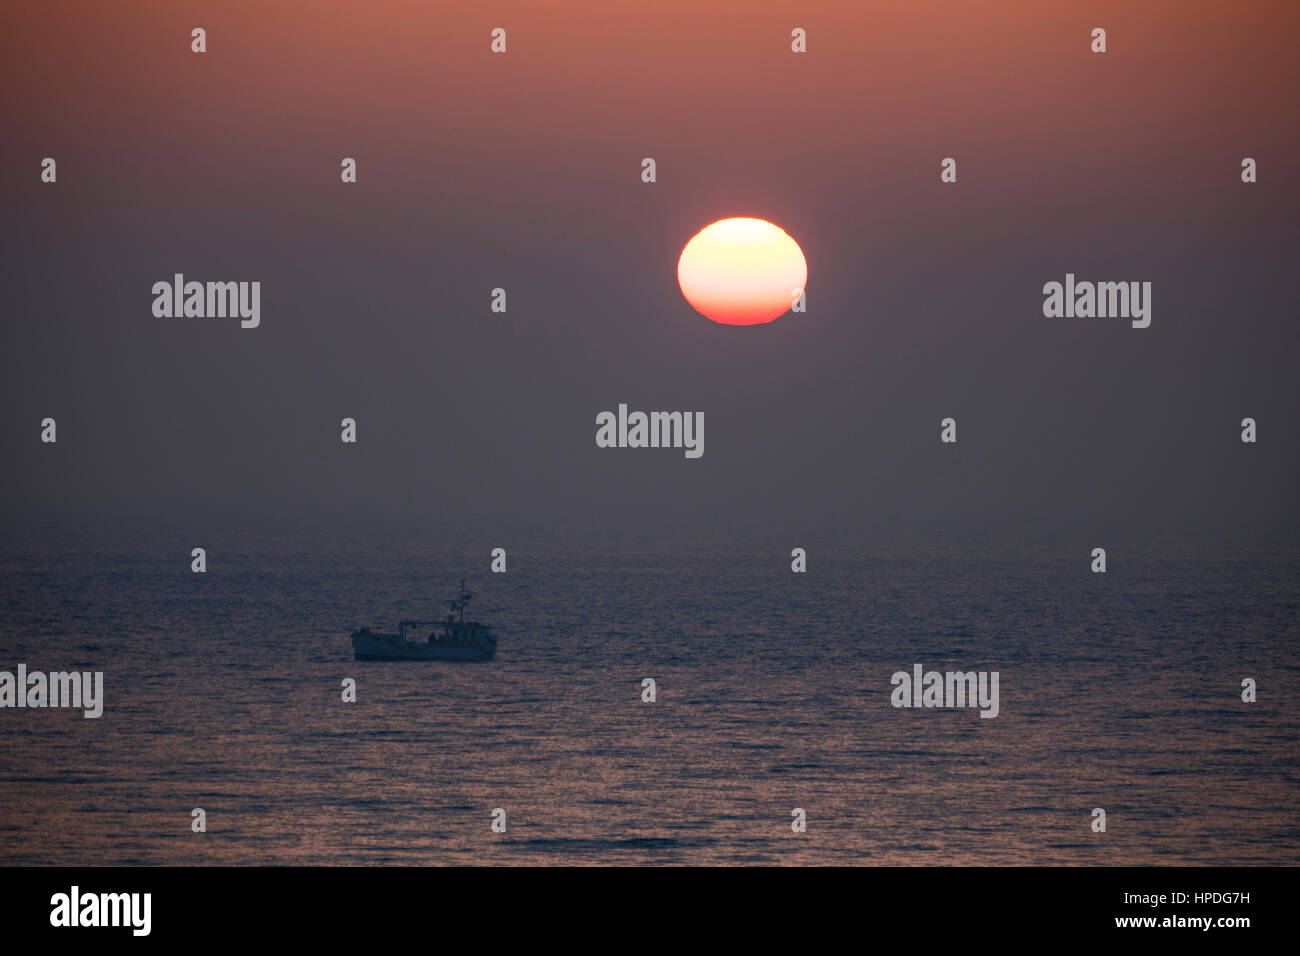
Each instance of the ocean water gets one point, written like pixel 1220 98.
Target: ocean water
pixel 1119 691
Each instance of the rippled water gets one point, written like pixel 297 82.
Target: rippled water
pixel 223 692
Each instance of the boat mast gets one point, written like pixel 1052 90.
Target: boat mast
pixel 460 602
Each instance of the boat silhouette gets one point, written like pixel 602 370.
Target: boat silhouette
pixel 452 639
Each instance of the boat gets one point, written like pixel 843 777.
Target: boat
pixel 452 639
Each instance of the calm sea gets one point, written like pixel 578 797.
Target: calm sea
pixel 223 690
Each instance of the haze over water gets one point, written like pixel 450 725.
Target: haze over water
pixel 223 692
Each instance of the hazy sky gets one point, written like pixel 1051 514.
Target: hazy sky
pixel 522 171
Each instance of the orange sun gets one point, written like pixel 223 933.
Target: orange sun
pixel 742 271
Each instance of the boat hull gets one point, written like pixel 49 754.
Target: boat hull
pixel 389 647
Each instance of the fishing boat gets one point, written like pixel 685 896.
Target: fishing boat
pixel 452 639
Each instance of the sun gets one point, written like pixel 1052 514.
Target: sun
pixel 742 271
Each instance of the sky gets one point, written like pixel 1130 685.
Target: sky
pixel 522 171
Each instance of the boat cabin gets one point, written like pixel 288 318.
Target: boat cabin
pixel 455 630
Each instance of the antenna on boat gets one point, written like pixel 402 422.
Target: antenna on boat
pixel 460 602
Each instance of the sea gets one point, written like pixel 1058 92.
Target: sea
pixel 224 691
